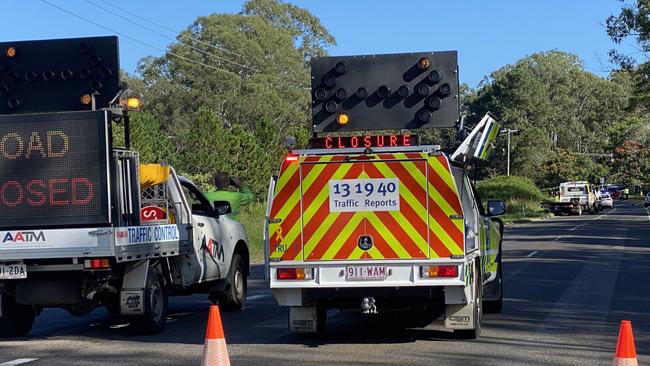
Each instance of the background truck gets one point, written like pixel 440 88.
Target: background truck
pixel 377 223
pixel 574 198
pixel 82 223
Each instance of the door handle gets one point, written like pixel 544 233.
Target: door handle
pixel 200 224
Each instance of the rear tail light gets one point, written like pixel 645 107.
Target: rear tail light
pixel 291 158
pixel 97 264
pixel 447 271
pixel 305 274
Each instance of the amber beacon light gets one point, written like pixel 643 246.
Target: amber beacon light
pixel 424 63
pixel 343 119
pixel 11 52
pixel 86 99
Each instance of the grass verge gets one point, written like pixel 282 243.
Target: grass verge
pixel 520 194
pixel 252 217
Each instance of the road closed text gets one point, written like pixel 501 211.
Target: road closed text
pixel 54 169
pixel 46 192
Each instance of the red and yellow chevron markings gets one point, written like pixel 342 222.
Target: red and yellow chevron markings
pixel 302 226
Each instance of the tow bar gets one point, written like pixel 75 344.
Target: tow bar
pixel 368 306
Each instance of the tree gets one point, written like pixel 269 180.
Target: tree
pixel 634 22
pixel 305 29
pixel 554 103
pixel 228 101
pixel 631 164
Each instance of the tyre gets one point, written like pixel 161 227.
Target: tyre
pixel 477 308
pixel 234 297
pixel 155 305
pixel 17 320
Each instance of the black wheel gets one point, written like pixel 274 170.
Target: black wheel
pixel 478 311
pixel 234 297
pixel 155 305
pixel 17 320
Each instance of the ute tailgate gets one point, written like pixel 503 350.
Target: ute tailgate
pixel 405 203
pixel 377 198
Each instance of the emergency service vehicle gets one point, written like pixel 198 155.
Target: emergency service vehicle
pixel 82 222
pixel 379 222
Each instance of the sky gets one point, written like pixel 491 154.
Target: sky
pixel 487 34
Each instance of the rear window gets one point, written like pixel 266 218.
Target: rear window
pixel 574 190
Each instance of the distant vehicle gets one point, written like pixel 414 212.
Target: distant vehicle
pixel 575 198
pixel 646 202
pixel 614 191
pixel 599 199
pixel 606 201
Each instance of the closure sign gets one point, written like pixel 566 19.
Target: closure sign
pixel 354 195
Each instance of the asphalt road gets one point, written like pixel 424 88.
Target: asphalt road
pixel 569 281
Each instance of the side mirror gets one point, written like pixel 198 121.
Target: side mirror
pixel 496 208
pixel 222 207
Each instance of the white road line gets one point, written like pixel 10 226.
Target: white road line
pixel 532 254
pixel 593 219
pixel 19 361
pixel 253 298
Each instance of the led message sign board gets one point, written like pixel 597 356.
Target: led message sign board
pixel 342 142
pixel 54 169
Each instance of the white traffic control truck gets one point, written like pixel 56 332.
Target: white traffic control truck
pixel 379 223
pixel 575 198
pixel 82 223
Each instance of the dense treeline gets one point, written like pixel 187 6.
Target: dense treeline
pixel 233 115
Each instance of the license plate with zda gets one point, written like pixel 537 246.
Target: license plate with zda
pixel 366 273
pixel 13 271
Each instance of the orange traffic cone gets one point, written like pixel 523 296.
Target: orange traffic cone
pixel 625 351
pixel 215 352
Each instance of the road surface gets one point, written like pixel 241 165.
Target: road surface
pixel 569 281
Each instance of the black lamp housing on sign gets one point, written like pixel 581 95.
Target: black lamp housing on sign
pixel 385 92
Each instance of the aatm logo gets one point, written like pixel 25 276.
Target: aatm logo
pixel 24 237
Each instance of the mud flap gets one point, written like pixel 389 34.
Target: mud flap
pixel 303 319
pixel 459 311
pixel 459 316
pixel 133 288
pixel 132 302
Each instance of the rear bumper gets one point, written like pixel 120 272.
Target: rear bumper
pixel 399 274
pixel 392 299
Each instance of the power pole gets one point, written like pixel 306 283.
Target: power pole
pixel 509 132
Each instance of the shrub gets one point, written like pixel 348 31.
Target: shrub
pixel 510 189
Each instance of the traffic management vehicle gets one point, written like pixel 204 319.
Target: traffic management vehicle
pixel 575 198
pixel 82 222
pixel 378 222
